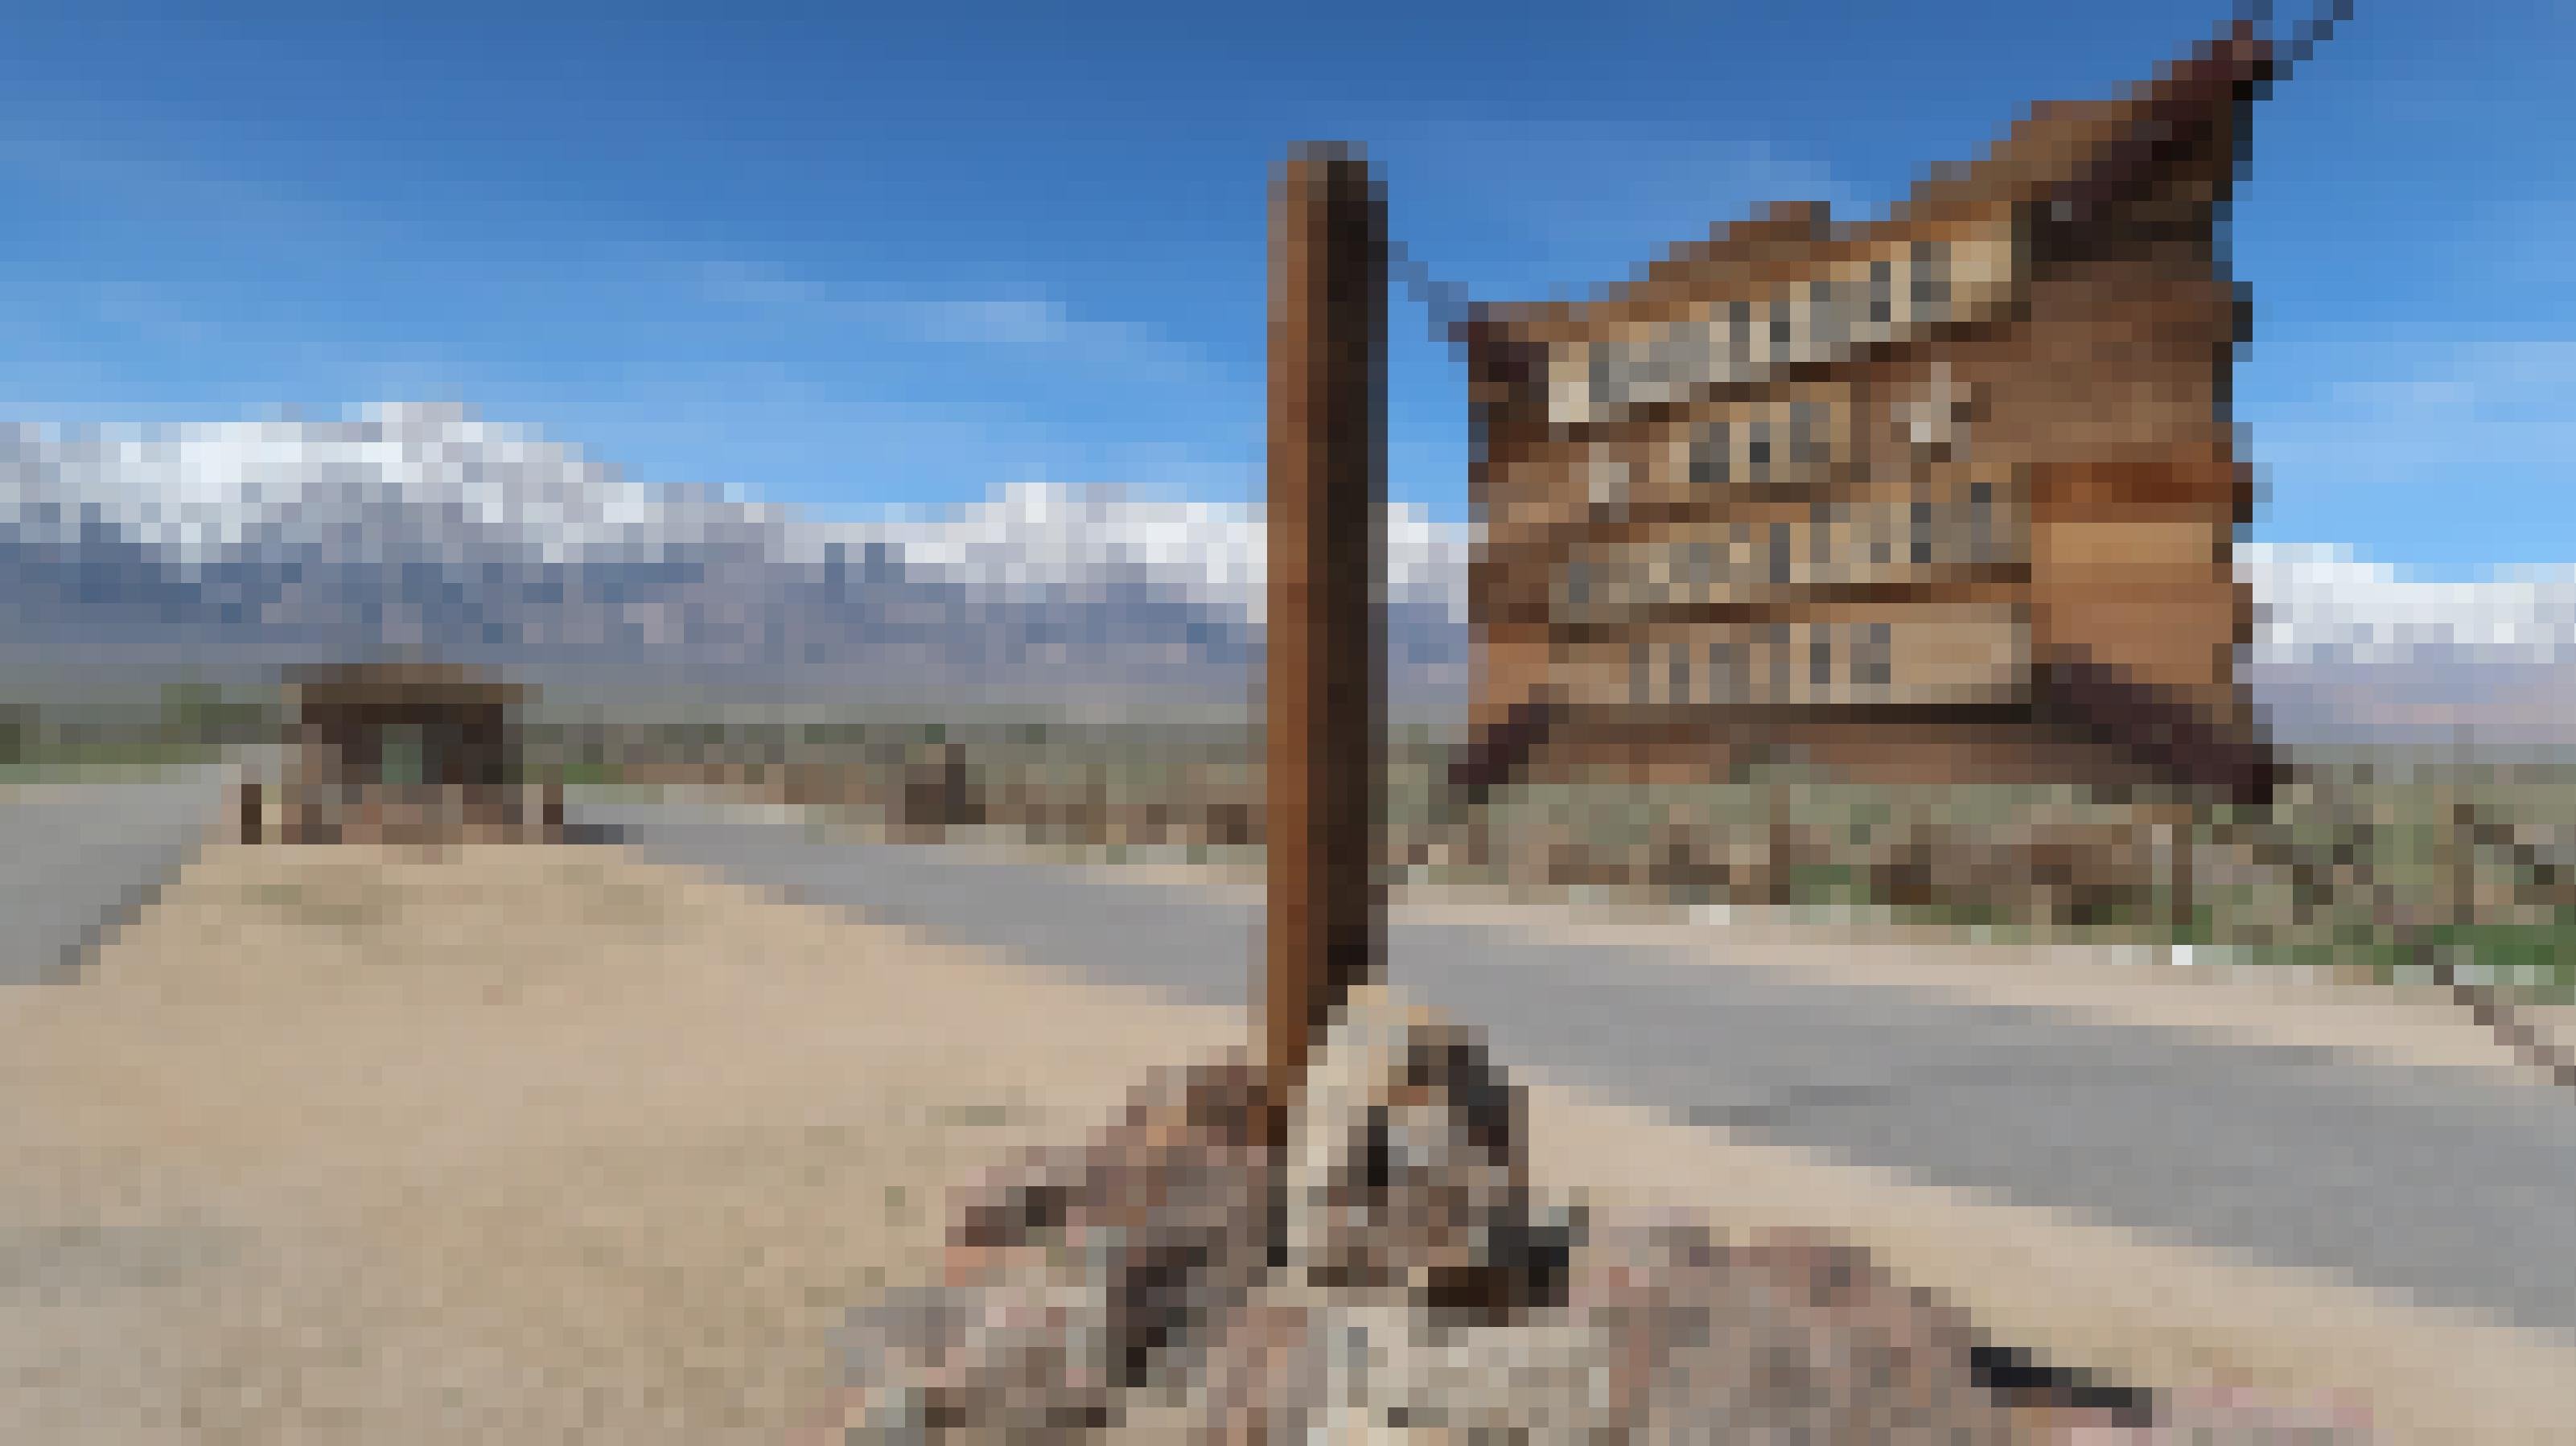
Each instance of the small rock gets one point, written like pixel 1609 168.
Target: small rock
pixel 1408 1169
pixel 1073 1276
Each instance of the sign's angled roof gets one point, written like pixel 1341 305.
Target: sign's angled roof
pixel 405 682
pixel 2074 154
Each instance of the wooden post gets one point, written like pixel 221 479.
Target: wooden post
pixel 1327 515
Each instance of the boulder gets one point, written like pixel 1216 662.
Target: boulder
pixel 1395 1279
pixel 1072 1276
pixel 1408 1178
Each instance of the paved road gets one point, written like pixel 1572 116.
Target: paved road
pixel 2451 1189
pixel 77 860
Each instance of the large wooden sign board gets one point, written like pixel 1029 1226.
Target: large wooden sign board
pixel 1918 463
pixel 1862 518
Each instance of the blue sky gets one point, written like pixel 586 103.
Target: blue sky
pixel 859 257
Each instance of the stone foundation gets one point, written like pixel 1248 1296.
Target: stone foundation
pixel 399 816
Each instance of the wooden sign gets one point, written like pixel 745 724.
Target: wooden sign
pixel 1828 434
pixel 1803 465
pixel 1877 296
pixel 1803 437
pixel 1951 528
pixel 1911 654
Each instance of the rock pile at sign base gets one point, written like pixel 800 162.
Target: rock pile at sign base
pixel 1395 1280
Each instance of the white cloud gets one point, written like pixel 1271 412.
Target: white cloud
pixel 1584 203
pixel 1044 329
pixel 750 284
pixel 149 312
pixel 1775 176
pixel 2487 374
pixel 95 153
pixel 2469 406
pixel 2446 394
pixel 1038 327
pixel 997 323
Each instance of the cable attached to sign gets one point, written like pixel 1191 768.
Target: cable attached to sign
pixel 2304 38
pixel 1451 312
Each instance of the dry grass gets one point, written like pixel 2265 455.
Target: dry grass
pixel 2368 860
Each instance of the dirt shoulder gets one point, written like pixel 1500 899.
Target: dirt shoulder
pixel 529 1143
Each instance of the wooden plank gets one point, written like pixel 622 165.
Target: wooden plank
pixel 1326 666
pixel 2178 486
pixel 2189 547
pixel 1783 550
pixel 1914 655
pixel 1947 525
pixel 1842 303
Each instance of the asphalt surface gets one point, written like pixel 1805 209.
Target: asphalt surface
pixel 2446 1189
pixel 77 861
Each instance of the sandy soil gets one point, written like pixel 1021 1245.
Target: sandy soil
pixel 530 1144
pixel 520 1145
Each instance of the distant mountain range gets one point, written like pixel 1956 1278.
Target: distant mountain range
pixel 2350 652
pixel 231 549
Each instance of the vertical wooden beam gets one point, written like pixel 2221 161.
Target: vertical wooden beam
pixel 1326 693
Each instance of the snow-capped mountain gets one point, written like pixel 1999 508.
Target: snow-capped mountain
pixel 241 546
pixel 1033 536
pixel 234 546
pixel 2351 651
pixel 2321 604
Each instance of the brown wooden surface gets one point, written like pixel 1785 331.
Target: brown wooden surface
pixel 2095 406
pixel 1500 751
pixel 1326 693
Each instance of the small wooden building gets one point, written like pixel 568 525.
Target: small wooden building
pixel 404 753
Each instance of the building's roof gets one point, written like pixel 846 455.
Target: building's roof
pixel 402 684
pixel 2078 153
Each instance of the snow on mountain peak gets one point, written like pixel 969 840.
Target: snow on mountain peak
pixel 2319 603
pixel 1038 535
pixel 433 479
pixel 434 471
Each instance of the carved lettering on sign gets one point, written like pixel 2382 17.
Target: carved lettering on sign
pixel 1861 301
pixel 1783 442
pixel 1866 542
pixel 1919 654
